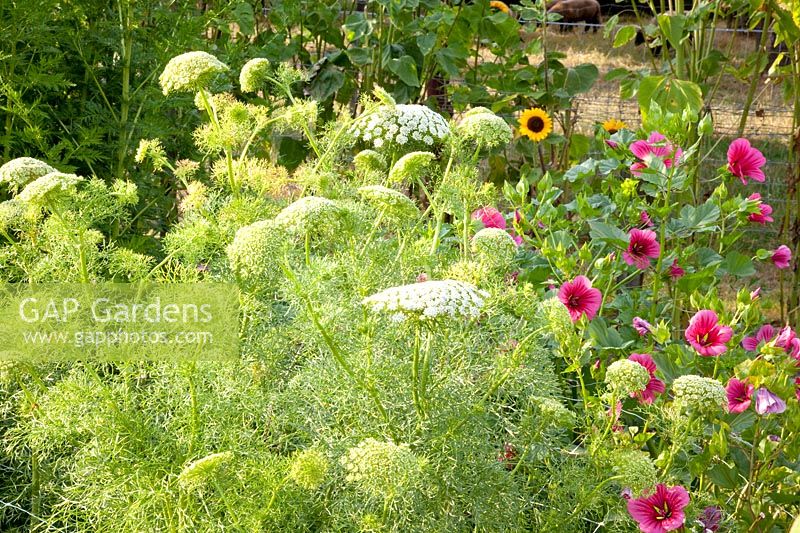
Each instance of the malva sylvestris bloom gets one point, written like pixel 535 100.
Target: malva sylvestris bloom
pixel 580 298
pixel 642 246
pixel 740 395
pixel 765 334
pixel 781 257
pixel 645 219
pixel 490 217
pixel 655 385
pixel 769 403
pixel 656 145
pixel 710 519
pixel 662 511
pixel 745 161
pixel 765 210
pixel 706 334
pixel 675 271
pixel 535 124
pixel 642 326
pixel 785 337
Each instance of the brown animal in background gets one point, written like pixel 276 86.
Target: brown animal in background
pixel 587 11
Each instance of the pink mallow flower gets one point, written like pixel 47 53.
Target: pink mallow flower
pixel 765 334
pixel 765 210
pixel 580 298
pixel 645 219
pixel 675 271
pixel 642 326
pixel 797 388
pixel 655 385
pixel 794 349
pixel 740 395
pixel 490 217
pixel 781 257
pixel 655 146
pixel 710 519
pixel 767 402
pixel 785 337
pixel 745 162
pixel 642 246
pixel 706 334
pixel 662 511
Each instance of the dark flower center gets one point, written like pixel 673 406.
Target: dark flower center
pixel 535 124
pixel 706 339
pixel 574 301
pixel 612 130
pixel 663 514
pixel 636 248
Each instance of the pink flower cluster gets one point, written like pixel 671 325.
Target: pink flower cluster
pixel 740 396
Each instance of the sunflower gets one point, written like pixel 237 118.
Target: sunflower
pixel 613 125
pixel 497 4
pixel 536 124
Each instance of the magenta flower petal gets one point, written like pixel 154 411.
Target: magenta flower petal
pixel 642 246
pixel 662 511
pixel 745 162
pixel 706 335
pixel 675 271
pixel 580 298
pixel 740 395
pixel 642 326
pixel 765 334
pixel 490 217
pixel 641 149
pixel 782 257
pixel 765 210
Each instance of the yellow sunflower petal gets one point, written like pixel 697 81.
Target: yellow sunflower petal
pixel 535 124
pixel 613 125
pixel 502 6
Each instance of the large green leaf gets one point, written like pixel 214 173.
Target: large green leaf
pixel 406 69
pixel 243 16
pixel 624 35
pixel 737 264
pixel 670 94
pixel 580 79
pixel 672 26
pixel 608 233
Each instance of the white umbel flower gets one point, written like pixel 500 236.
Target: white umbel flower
pixel 411 167
pixel 406 125
pixel 494 246
pixel 390 201
pixel 382 468
pixel 20 171
pixel 310 214
pixel 190 72
pixel 429 300
pixel 484 129
pixel 699 393
pixel 255 253
pixel 627 377
pixel 254 75
pixel 48 187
